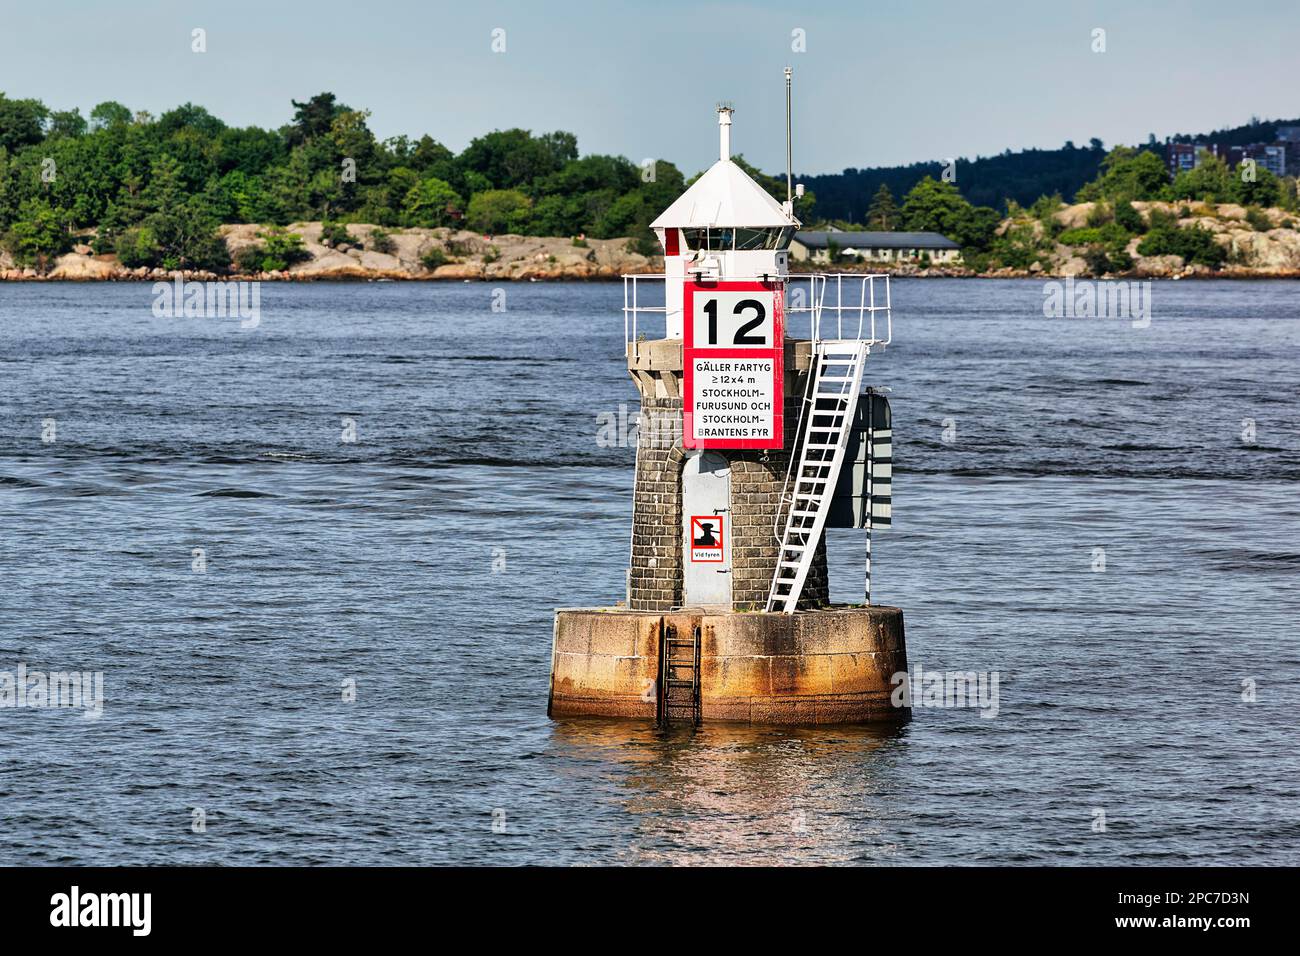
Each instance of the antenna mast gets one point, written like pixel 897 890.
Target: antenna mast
pixel 789 174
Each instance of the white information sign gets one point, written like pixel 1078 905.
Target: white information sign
pixel 734 352
pixel 733 398
pixel 733 320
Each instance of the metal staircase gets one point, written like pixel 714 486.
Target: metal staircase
pixel 679 677
pixel 828 410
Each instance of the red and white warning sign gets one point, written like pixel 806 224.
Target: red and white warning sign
pixel 706 538
pixel 733 342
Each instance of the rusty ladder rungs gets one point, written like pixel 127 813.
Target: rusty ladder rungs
pixel 672 687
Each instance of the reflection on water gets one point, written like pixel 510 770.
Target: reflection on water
pixel 726 793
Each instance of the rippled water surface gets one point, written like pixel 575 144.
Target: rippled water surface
pixel 380 561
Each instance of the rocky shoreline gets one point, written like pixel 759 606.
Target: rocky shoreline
pixel 465 256
pixel 1252 252
pixel 459 255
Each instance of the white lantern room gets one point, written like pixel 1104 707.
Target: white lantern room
pixel 725 227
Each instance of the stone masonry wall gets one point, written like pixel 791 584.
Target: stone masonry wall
pixel 757 477
pixel 655 576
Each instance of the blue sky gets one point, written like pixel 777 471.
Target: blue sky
pixel 879 83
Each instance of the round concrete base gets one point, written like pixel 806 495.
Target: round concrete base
pixel 812 667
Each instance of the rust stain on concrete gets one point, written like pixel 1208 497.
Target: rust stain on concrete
pixel 811 667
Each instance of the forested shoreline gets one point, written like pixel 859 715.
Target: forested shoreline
pixel 153 190
pixel 163 193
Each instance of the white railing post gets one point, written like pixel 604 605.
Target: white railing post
pixel 839 306
pixel 873 307
pixel 862 301
pixel 889 313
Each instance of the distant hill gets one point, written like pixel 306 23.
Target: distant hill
pixel 1256 131
pixel 992 180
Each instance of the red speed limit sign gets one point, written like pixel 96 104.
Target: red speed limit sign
pixel 733 352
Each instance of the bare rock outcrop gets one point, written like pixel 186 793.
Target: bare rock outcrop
pixel 1275 252
pixel 1158 267
pixel 80 267
pixel 1250 252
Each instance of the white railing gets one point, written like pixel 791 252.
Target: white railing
pixel 631 309
pixel 834 313
pixel 838 306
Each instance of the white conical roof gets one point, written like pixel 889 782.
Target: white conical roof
pixel 724 196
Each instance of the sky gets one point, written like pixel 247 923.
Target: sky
pixel 874 83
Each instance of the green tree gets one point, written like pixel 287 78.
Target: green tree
pixel 79 187
pixel 432 202
pixel 933 206
pixel 1104 247
pixel 559 215
pixel 22 122
pixel 38 236
pixel 278 250
pixel 883 214
pixel 980 227
pixel 1129 218
pixel 352 139
pixel 513 158
pixel 167 186
pixel 1018 247
pixel 1127 174
pixel 308 186
pixel 1210 181
pixel 561 146
pixel 313 118
pixel 630 214
pixel 137 247
pixel 589 174
pixel 1044 207
pixel 187 239
pixel 250 199
pixel 67 123
pixel 1256 187
pixel 182 237
pixel 499 210
pixel 1193 244
pixel 109 114
pixel 189 117
pixel 250 150
pixel 626 215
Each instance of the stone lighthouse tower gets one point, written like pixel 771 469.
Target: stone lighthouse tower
pixel 751 442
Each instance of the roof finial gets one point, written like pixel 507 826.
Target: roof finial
pixel 724 129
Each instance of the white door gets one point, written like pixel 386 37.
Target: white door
pixel 706 530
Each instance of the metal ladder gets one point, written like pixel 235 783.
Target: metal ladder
pixel 829 407
pixel 679 677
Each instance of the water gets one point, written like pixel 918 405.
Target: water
pixel 327 561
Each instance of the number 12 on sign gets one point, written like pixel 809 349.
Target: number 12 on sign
pixel 733 352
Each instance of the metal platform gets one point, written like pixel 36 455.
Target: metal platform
pixel 835 306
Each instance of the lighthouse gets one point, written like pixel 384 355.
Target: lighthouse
pixel 758 431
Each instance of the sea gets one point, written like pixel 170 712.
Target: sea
pixel 314 562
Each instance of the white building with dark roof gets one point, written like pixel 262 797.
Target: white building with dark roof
pixel 874 246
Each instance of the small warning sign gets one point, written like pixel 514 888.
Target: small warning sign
pixel 706 538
